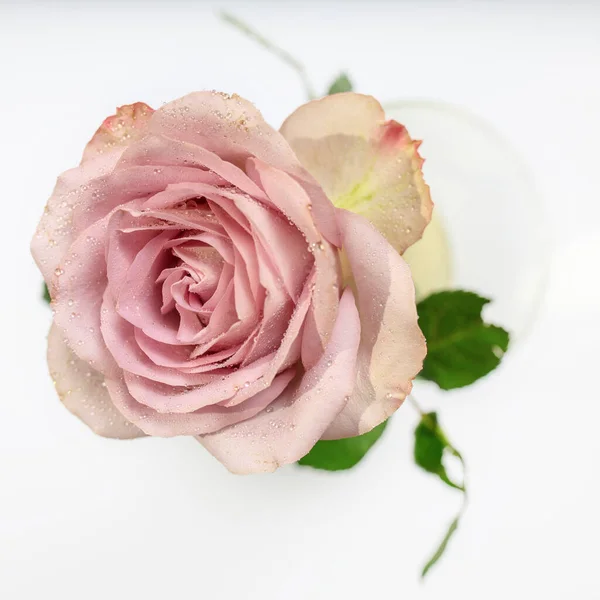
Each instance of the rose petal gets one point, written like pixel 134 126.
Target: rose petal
pixel 122 248
pixel 56 230
pixel 190 325
pixel 292 424
pixel 82 390
pixel 78 298
pixel 160 151
pixel 234 129
pixel 227 125
pixel 277 310
pixel 282 241
pixel 121 129
pixel 99 196
pixel 363 164
pixel 119 336
pixel 208 419
pixel 349 113
pixel 259 376
pixel 169 400
pixel 281 238
pixel 137 301
pixel 392 347
pixel 178 357
pixel 289 196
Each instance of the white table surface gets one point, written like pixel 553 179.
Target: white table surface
pixel 84 517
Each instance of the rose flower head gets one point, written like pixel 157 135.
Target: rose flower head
pixel 213 277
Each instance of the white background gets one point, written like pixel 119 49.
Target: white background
pixel 87 518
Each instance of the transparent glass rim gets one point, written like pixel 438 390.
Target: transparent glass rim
pixel 542 251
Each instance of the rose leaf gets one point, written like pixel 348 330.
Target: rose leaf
pixel 431 447
pixel 337 455
pixel 341 84
pixel 461 347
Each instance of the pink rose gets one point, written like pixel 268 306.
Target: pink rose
pixel 195 269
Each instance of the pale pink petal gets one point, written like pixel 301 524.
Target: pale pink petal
pixel 205 420
pixel 160 151
pixel 293 201
pixel 56 230
pixel 283 241
pixel 190 325
pixel 288 346
pixel 236 387
pixel 77 298
pixel 122 248
pixel 223 284
pixel 120 339
pixel 221 243
pixel 102 195
pixel 227 125
pixel 183 197
pixel 83 391
pixel 168 399
pixel 208 265
pixel 277 312
pixel 178 357
pixel 233 129
pixel 137 301
pixel 238 232
pixel 223 322
pixel 363 163
pixel 392 347
pixel 348 113
pixel 244 302
pixel 119 130
pixel 291 425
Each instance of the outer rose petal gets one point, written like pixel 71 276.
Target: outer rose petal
pixel 119 130
pixel 77 297
pixel 292 425
pixel 235 130
pixel 363 163
pixel 347 113
pixel 392 347
pixel 82 390
pixel 57 229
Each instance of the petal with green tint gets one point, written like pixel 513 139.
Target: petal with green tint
pixel 364 163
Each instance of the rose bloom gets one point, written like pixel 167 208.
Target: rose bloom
pixel 215 278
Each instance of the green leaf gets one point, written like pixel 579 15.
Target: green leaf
pixel 442 547
pixel 341 84
pixel 337 455
pixel 46 294
pixel 461 347
pixel 431 446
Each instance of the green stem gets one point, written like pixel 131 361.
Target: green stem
pixel 442 475
pixel 287 58
pixel 413 402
